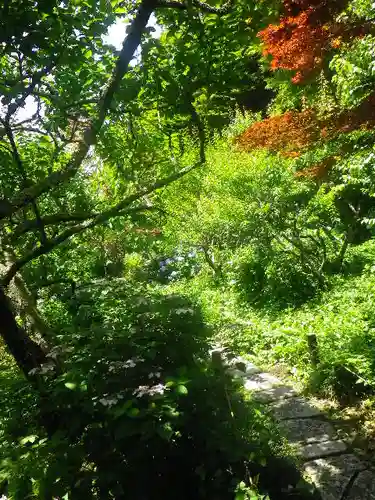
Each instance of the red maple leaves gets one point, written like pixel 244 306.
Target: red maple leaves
pixel 301 39
pixel 306 33
pixel 295 131
pixel 289 133
pixel 295 44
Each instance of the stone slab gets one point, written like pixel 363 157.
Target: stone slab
pixel 363 487
pixel 332 475
pixel 251 369
pixel 237 363
pixel 235 373
pixel 274 394
pixel 293 408
pixel 322 449
pixel 261 382
pixel 307 430
pixel 243 364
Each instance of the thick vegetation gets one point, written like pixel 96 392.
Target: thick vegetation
pixel 213 183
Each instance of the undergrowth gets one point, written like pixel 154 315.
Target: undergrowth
pixel 342 317
pixel 138 397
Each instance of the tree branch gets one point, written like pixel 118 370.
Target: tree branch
pixel 129 47
pixel 203 6
pixel 130 44
pixel 200 127
pixel 22 171
pixel 33 130
pixel 32 225
pixel 50 220
pixel 35 80
pixel 115 211
pixel 58 281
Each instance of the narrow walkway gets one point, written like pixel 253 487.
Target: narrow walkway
pixel 336 472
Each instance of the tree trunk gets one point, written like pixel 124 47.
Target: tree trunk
pixel 23 301
pixel 211 262
pixel 341 256
pixel 39 326
pixel 27 353
pixel 200 128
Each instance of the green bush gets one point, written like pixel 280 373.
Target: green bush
pixel 138 409
pixel 276 279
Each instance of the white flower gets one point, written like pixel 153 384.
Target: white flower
pixel 130 363
pixel 145 390
pixel 157 389
pixel 57 350
pixel 108 401
pixel 47 368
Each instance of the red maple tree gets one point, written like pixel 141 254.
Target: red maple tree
pixel 303 36
pixel 295 131
pixel 295 44
pixel 289 133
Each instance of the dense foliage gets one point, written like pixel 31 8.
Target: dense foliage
pixel 209 183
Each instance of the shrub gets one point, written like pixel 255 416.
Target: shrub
pixel 138 409
pixel 277 279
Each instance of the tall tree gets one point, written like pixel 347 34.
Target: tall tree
pixel 49 155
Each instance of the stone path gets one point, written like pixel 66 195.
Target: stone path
pixel 326 460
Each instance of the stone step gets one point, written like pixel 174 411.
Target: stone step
pixel 243 365
pixel 322 449
pixel 274 394
pixel 307 430
pixel 363 487
pixel 337 474
pixel 261 382
pixel 332 475
pixel 293 408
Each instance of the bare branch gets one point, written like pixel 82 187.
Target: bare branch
pixel 26 120
pixel 50 220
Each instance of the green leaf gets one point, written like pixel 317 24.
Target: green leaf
pixel 29 439
pixel 181 389
pixel 166 431
pixel 70 385
pixel 133 412
pixel 118 412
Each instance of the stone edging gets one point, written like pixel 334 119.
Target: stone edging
pixel 334 470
